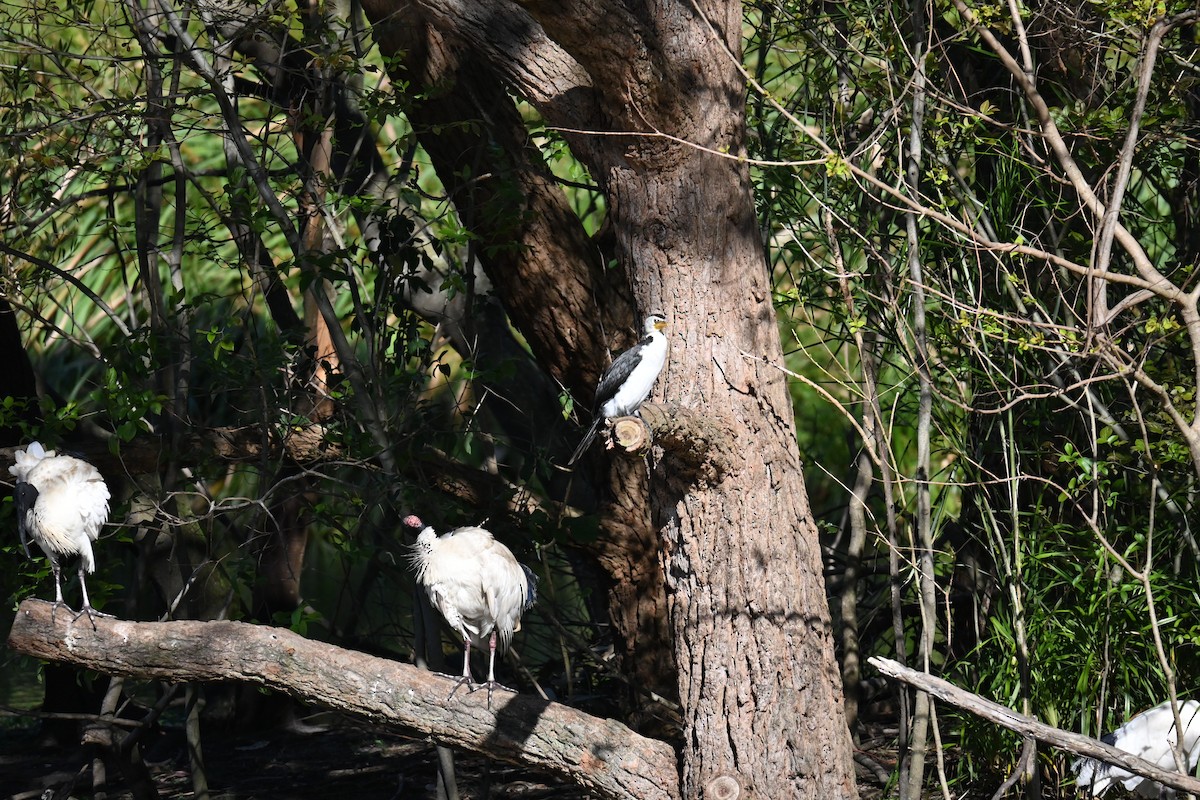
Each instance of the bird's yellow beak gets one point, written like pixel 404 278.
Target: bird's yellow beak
pixel 660 325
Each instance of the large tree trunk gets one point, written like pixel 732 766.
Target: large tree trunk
pixel 753 644
pixel 651 99
pixel 757 674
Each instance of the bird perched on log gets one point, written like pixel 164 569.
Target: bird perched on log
pixel 1150 735
pixel 62 502
pixel 628 380
pixel 478 585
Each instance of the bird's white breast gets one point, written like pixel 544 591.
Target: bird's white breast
pixel 641 380
pixel 475 581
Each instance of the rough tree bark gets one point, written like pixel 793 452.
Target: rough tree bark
pixel 554 284
pixel 596 753
pixel 650 97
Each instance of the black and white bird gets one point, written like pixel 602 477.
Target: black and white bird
pixel 628 380
pixel 478 585
pixel 1150 735
pixel 62 502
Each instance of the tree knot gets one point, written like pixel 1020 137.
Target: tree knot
pixel 722 787
pixel 699 445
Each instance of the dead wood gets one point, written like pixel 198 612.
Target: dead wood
pixel 600 754
pixel 1027 726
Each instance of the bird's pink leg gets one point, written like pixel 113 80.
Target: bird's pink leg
pixel 491 681
pixel 467 658
pixel 492 662
pixel 491 678
pixel 58 598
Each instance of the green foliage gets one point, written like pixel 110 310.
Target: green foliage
pixel 164 283
pixel 1048 435
pixel 162 294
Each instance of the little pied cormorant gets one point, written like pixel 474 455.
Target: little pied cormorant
pixel 628 380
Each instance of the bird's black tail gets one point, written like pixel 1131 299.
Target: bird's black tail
pixel 531 582
pixel 587 439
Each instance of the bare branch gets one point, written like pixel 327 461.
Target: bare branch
pixel 71 279
pixel 1062 153
pixel 1027 726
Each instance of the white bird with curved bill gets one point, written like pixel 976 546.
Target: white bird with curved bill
pixel 62 503
pixel 627 382
pixel 477 584
pixel 1152 736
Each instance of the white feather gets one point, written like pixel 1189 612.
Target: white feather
pixel 474 581
pixel 27 459
pixel 636 388
pixel 1150 735
pixel 627 382
pixel 71 504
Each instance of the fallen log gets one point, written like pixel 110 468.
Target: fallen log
pixel 600 754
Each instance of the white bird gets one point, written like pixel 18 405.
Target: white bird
pixel 62 502
pixel 1151 735
pixel 628 380
pixel 477 585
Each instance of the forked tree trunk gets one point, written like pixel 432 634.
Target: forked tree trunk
pixel 554 286
pixel 651 99
pixel 757 675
